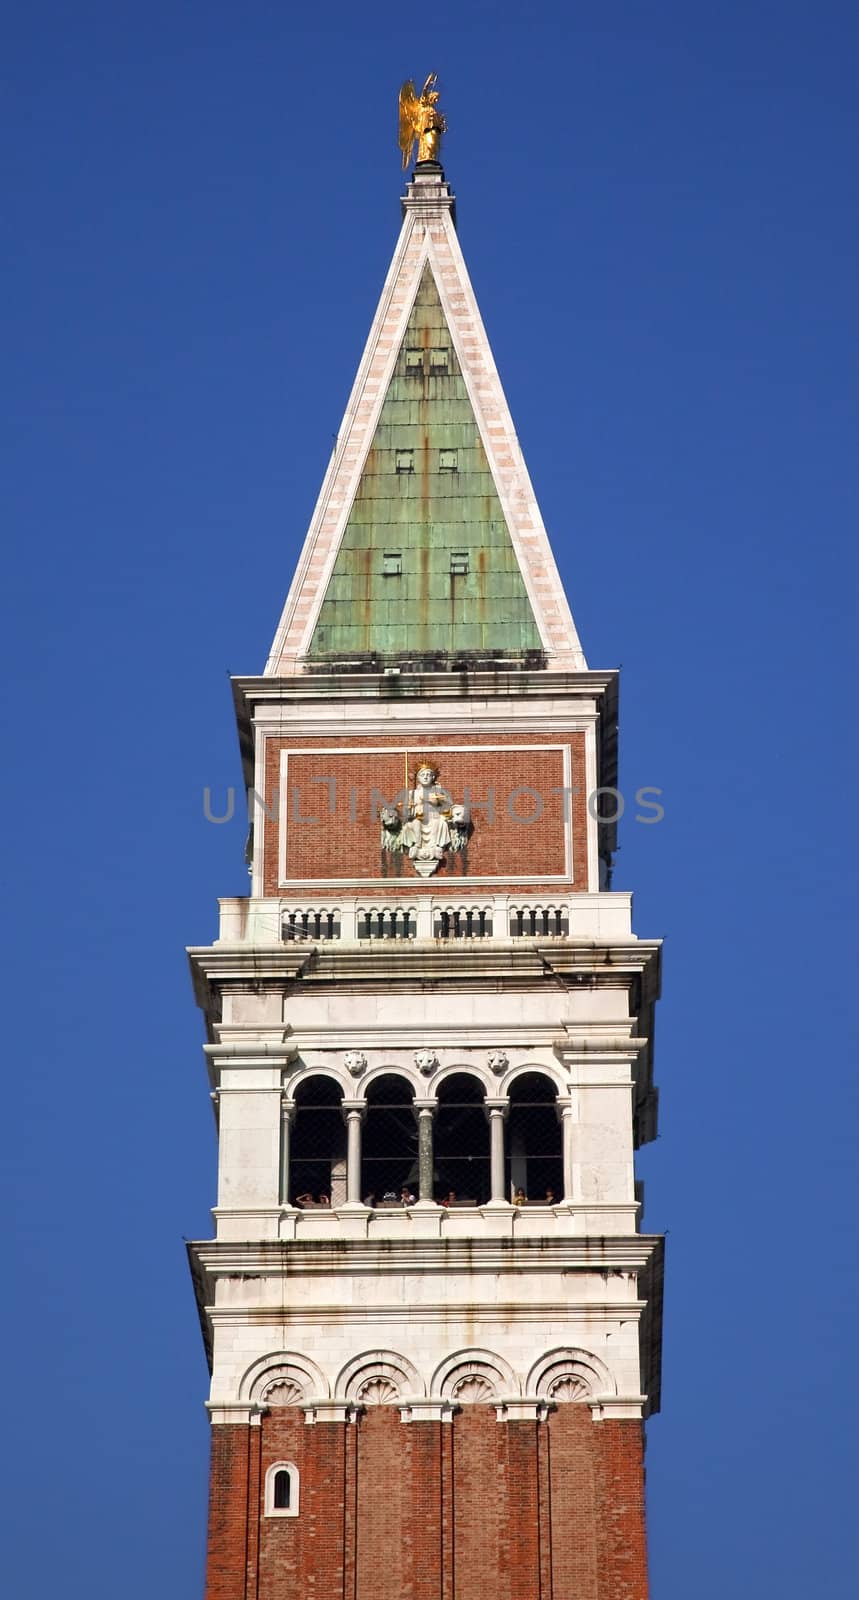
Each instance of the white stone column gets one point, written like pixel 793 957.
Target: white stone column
pixel 353 1111
pixel 566 1113
pixel 424 1111
pixel 287 1112
pixel 496 1110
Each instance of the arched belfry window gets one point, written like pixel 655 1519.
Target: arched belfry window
pixel 461 1142
pixel 318 1144
pixel 389 1156
pixel 535 1162
pixel 281 1490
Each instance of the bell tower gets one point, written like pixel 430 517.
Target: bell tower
pixel 432 1320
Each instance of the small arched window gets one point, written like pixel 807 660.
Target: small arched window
pixel 281 1490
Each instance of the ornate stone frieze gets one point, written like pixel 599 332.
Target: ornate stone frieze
pixel 569 1387
pixel 379 1391
pixel 378 1378
pixel 283 1392
pixel 570 1375
pixel 474 1377
pixel 473 1390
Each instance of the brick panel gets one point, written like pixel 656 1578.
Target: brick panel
pixel 384 1507
pixel 619 1474
pixel 572 1507
pixel 468 1510
pixel 475 1502
pixel 518 1511
pixel 228 1513
pixel 496 1515
pixel 305 1555
pixel 346 844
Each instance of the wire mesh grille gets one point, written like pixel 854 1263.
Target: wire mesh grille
pixel 389 1155
pixel 318 1144
pixel 461 1143
pixel 535 1167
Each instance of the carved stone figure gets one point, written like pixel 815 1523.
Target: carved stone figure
pixel 391 841
pixel 459 827
pixel 430 826
pixel 356 1062
pixel 499 1061
pixel 426 834
pixel 392 829
pixel 426 1062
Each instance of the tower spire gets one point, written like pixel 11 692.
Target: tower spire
pixel 426 537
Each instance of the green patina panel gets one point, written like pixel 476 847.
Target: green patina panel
pixel 398 583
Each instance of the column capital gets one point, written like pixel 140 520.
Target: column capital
pixel 288 1106
pixel 353 1107
pixel 330 1411
pixel 430 1104
pixel 496 1103
pixel 518 1410
pixel 233 1411
pixel 428 1411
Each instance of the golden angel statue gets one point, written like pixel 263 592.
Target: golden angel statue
pixel 421 119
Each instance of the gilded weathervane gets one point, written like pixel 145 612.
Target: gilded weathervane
pixel 421 119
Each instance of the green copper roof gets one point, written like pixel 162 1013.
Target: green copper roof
pixel 426 563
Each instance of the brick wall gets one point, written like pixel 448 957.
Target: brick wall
pixel 226 1575
pixel 346 844
pixel 468 1510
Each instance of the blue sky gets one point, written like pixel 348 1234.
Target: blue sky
pixel 657 207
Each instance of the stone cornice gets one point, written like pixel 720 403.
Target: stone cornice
pixel 366 685
pixel 500 685
pixel 422 961
pixel 261 1258
pixel 448 1311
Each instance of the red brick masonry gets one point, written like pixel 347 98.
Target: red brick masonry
pixel 345 844
pixel 471 1509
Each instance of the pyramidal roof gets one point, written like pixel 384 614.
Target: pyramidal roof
pixel 426 539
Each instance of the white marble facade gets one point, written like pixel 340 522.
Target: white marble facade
pixel 424 1306
pixel 409 1290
